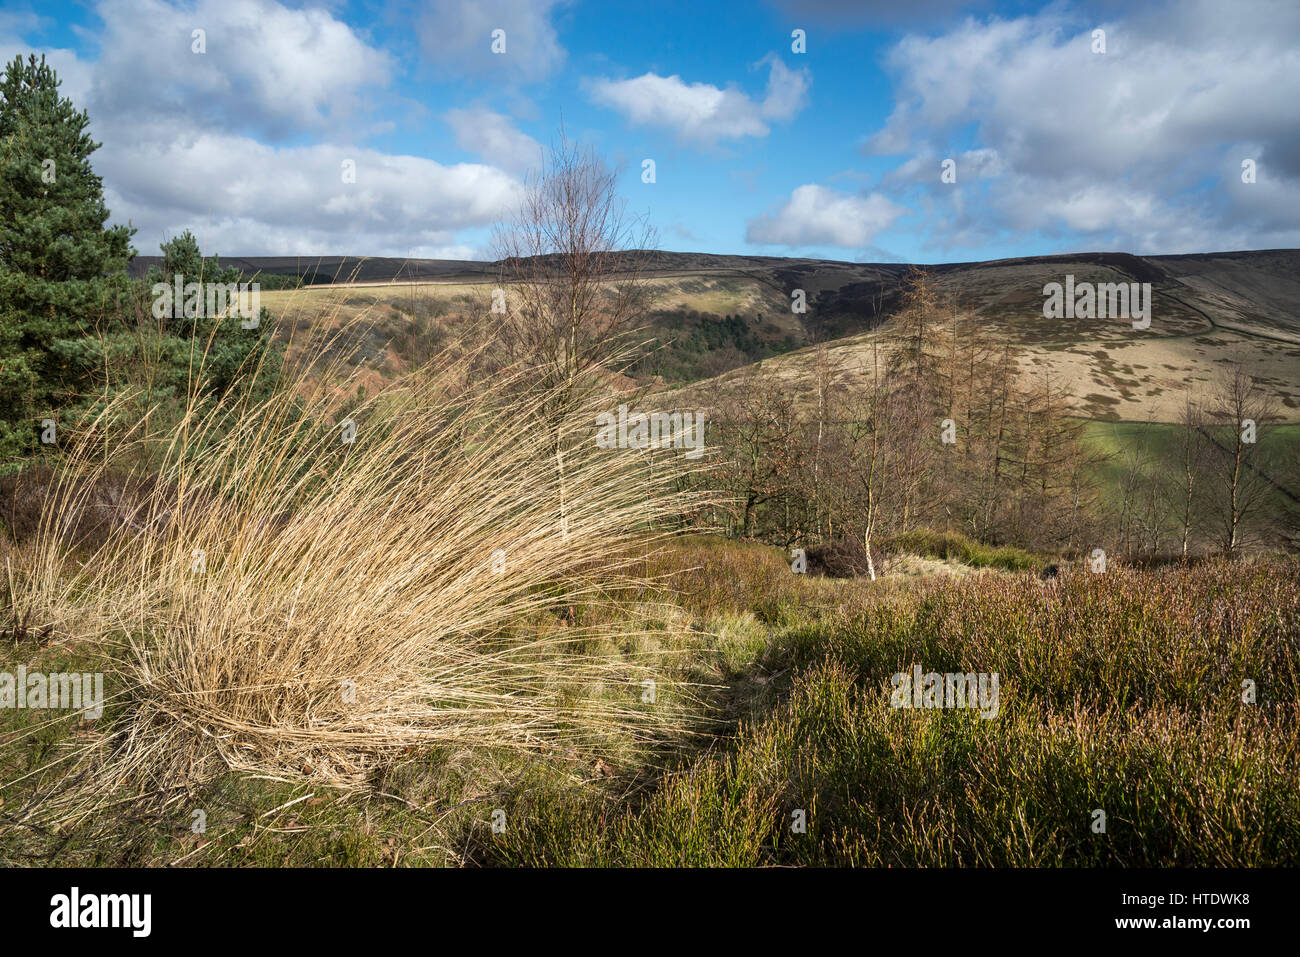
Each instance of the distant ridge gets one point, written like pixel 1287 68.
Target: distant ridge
pixel 316 270
pixel 327 269
pixel 1254 292
pixel 717 314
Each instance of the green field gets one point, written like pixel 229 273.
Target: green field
pixel 1157 444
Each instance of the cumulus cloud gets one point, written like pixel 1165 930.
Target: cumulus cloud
pixel 703 113
pixel 268 68
pixel 1138 148
pixel 456 38
pixel 494 137
pixel 787 90
pixel 181 155
pixel 927 166
pixel 260 199
pixel 817 216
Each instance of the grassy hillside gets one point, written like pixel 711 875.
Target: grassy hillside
pixel 714 315
pixel 1153 446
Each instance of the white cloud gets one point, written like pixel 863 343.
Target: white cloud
pixel 456 38
pixel 257 199
pixel 1138 148
pixel 494 138
pixel 177 153
pixel 701 112
pixel 787 90
pixel 817 216
pixel 267 68
pixel 926 167
pixel 75 75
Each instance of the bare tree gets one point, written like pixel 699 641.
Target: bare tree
pixel 920 384
pixel 761 440
pixel 871 417
pixel 1146 509
pixel 573 289
pixel 1191 459
pixel 823 380
pixel 573 274
pixel 1000 385
pixel 1050 448
pixel 1242 485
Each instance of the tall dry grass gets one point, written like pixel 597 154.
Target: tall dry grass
pixel 276 601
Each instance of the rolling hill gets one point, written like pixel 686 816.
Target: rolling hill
pixel 715 314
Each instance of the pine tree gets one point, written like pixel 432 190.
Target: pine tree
pixel 220 349
pixel 62 272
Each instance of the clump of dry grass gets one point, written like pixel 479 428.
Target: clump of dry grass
pixel 284 603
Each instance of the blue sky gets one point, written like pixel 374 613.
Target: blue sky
pixel 835 152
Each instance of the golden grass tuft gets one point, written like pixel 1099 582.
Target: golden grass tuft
pixel 281 603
